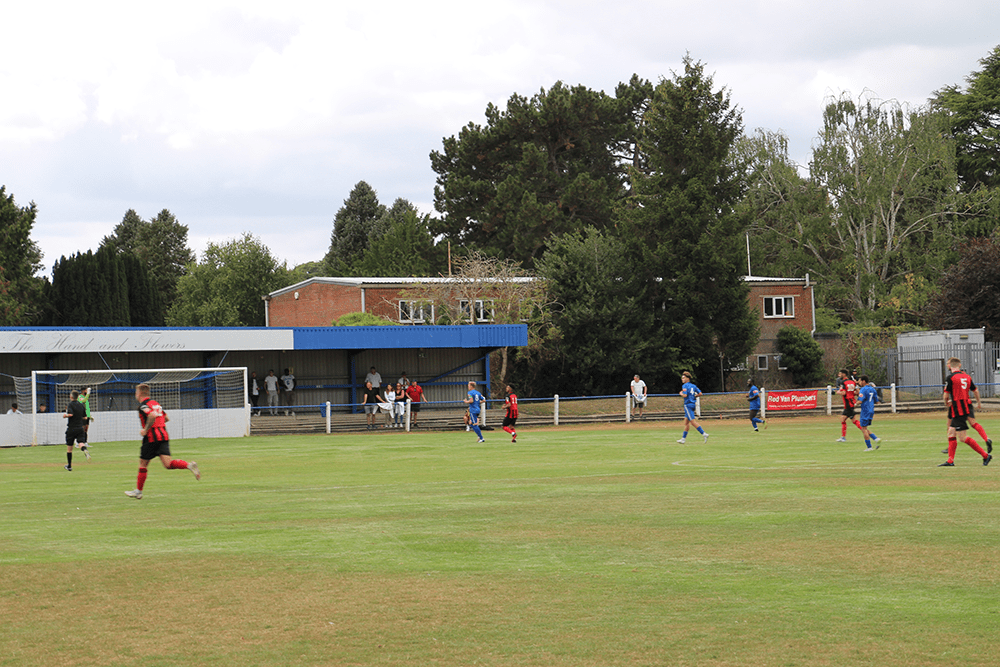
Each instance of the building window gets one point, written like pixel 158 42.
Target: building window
pixel 484 309
pixel 414 312
pixel 779 306
pixel 762 362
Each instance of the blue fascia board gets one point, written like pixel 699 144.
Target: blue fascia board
pixel 411 337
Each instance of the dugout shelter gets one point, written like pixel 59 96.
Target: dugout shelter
pixel 329 363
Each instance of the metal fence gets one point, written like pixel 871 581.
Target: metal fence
pixel 923 368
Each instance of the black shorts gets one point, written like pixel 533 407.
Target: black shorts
pixel 76 434
pixel 414 407
pixel 509 421
pixel 151 450
pixel 754 412
pixel 848 412
pixel 959 423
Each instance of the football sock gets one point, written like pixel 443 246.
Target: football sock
pixel 868 443
pixel 981 431
pixel 858 424
pixel 141 479
pixel 701 430
pixel 684 435
pixel 872 434
pixel 475 429
pixel 177 464
pixel 952 446
pixel 975 445
pixel 69 459
pixel 843 429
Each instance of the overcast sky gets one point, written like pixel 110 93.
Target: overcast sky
pixel 261 116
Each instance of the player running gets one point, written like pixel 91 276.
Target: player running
pixel 868 397
pixel 510 420
pixel 957 388
pixel 155 440
pixel 690 392
pixel 475 401
pixel 753 396
pixel 75 432
pixel 848 389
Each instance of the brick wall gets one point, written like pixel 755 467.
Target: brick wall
pixel 317 305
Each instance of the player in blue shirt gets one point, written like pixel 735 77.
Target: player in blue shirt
pixel 867 398
pixel 753 395
pixel 475 399
pixel 690 393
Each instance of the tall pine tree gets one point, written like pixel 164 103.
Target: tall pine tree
pixel 683 226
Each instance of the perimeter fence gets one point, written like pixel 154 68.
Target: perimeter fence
pixel 568 410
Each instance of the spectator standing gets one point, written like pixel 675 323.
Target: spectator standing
pixel 399 405
pixel 638 388
pixel 416 394
pixel 254 390
pixel 288 384
pixel 374 377
pixel 403 380
pixel 370 400
pixel 13 410
pixel 390 404
pixel 271 382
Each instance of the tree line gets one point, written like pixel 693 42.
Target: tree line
pixel 634 210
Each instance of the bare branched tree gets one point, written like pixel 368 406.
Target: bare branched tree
pixel 484 290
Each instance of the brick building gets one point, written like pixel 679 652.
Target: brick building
pixel 318 302
pixel 779 302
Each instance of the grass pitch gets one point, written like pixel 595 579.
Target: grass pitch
pixel 602 545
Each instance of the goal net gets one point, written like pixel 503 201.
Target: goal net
pixel 201 403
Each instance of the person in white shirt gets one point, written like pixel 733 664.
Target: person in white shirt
pixel 254 392
pixel 271 382
pixel 390 404
pixel 13 410
pixel 374 377
pixel 288 380
pixel 638 395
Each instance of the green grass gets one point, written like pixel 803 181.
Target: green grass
pixel 605 545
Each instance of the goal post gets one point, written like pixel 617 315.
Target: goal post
pixel 201 402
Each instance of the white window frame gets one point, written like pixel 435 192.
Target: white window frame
pixel 785 301
pixel 484 310
pixel 415 312
pixel 762 357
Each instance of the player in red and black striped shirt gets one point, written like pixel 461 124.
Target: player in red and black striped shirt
pixel 849 390
pixel 155 440
pixel 510 420
pixel 958 388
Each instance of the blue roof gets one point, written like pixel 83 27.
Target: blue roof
pixel 365 338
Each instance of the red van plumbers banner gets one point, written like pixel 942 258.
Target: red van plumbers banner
pixel 791 400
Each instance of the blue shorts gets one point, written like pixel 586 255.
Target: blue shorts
pixel 689 413
pixel 867 422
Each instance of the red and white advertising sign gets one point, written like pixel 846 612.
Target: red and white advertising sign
pixel 791 400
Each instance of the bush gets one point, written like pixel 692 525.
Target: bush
pixel 363 320
pixel 801 355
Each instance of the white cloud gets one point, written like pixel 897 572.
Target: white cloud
pixel 239 116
